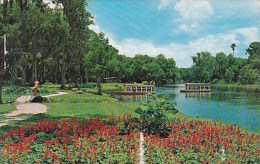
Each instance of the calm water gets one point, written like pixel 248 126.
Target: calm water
pixel 239 108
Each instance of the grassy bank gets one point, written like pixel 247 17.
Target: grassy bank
pixel 6 108
pixel 237 87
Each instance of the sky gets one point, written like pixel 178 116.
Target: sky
pixel 177 28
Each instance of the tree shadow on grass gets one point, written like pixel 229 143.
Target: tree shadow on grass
pixel 38 117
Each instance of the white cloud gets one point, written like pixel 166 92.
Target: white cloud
pixel 164 3
pixel 188 28
pixel 255 4
pixel 182 52
pixel 214 43
pixel 191 10
pixel 248 34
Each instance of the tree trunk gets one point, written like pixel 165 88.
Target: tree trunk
pixel 34 71
pixel 63 73
pixel 35 68
pixel 99 87
pixel 24 77
pixel 1 88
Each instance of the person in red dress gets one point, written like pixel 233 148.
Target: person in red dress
pixel 35 88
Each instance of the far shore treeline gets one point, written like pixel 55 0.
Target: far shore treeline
pixel 56 45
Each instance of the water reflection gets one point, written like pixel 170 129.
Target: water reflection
pixel 198 95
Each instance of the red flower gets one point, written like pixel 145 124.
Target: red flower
pixel 54 156
pixel 46 154
pixel 47 142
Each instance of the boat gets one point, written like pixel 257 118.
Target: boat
pixel 196 87
pixel 137 89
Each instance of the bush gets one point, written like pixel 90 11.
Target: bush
pixel 153 115
pixel 221 82
pixel 145 83
pixel 48 83
pixel 11 89
pixel 44 90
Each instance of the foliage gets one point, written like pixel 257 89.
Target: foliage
pixel 254 50
pixel 248 76
pixel 222 68
pixel 201 70
pixel 145 82
pixel 233 45
pixel 153 115
pixel 98 57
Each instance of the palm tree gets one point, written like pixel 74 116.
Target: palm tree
pixel 233 45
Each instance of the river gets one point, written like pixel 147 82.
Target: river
pixel 234 107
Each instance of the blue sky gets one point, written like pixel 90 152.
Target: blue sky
pixel 177 28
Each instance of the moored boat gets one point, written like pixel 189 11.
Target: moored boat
pixel 196 87
pixel 137 89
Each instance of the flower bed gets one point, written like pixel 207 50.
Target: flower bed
pixel 116 140
pixel 69 141
pixel 197 141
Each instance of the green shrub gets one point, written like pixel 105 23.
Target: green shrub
pixel 153 115
pixel 145 83
pixel 48 83
pixel 11 89
pixel 44 90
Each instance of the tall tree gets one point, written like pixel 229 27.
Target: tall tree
pixel 78 19
pixel 254 50
pixel 202 71
pixel 221 64
pixel 233 46
pixel 98 57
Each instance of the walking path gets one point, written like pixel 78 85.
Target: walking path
pixel 25 107
pixel 141 149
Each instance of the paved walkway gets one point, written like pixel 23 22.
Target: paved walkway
pixel 25 107
pixel 141 149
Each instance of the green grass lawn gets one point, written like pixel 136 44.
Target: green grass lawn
pixel 6 108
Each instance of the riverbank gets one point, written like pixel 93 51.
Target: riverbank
pixel 237 87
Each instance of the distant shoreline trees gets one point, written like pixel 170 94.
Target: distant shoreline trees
pixel 224 68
